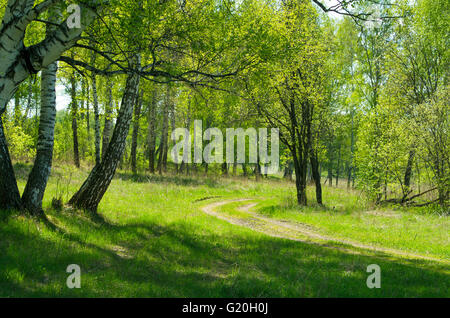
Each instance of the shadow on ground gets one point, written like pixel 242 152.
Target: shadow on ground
pixel 179 260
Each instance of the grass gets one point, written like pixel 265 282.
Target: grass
pixel 154 241
pixel 409 230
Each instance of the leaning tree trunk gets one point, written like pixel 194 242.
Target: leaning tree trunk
pixel 95 186
pixel 9 192
pixel 38 178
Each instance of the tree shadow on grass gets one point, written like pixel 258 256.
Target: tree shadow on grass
pixel 180 260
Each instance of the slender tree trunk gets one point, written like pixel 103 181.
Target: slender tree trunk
pixel 94 188
pixel 188 127
pixel 257 168
pixel 300 151
pixel 124 158
pixel 408 170
pixel 82 110
pixel 288 171
pixel 166 150
pixel 309 175
pixel 338 168
pixel 316 176
pixel 225 169
pixel 108 120
pixel 418 177
pixel 96 120
pixel 134 141
pixel 330 167
pixel 161 155
pixel 37 180
pixel 88 112
pixel 352 149
pixel 81 117
pixel 17 110
pixel 152 132
pixel 301 186
pixel 97 133
pixel 172 127
pixel 29 99
pixel 165 129
pixel 300 180
pixel 9 192
pixel 74 108
pixel 349 177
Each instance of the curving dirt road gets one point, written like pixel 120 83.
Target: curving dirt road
pixel 298 231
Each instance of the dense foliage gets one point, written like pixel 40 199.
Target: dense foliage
pixel 362 96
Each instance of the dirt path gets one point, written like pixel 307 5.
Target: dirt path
pixel 297 231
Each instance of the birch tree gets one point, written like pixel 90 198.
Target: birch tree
pixel 18 62
pixel 37 180
pixel 95 186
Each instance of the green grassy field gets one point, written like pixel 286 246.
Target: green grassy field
pixel 153 240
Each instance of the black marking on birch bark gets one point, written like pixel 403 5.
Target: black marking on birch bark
pixel 25 55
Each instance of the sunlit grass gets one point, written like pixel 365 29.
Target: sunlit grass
pixel 347 216
pixel 156 242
